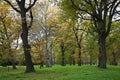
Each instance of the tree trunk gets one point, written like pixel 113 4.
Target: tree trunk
pixel 73 58
pixel 91 60
pixel 63 59
pixel 26 46
pixel 63 55
pixel 47 54
pixel 114 62
pixel 79 55
pixel 102 52
pixel 54 58
pixel 13 63
pixel 48 60
pixel 12 59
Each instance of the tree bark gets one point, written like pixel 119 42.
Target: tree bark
pixel 26 46
pixel 47 53
pixel 48 59
pixel 102 52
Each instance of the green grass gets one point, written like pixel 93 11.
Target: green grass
pixel 84 72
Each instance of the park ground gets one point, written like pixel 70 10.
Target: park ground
pixel 57 72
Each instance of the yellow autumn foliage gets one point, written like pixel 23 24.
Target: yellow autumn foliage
pixel 3 8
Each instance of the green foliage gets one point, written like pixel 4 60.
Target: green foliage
pixel 113 41
pixel 92 47
pixel 68 10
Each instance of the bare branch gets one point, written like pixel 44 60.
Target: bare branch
pixel 12 6
pixel 31 17
pixel 31 5
pixel 112 8
pixel 84 18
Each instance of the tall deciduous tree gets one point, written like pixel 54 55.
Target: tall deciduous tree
pixel 6 31
pixel 101 12
pixel 46 22
pixel 22 10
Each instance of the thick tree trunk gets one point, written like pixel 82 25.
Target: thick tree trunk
pixel 102 52
pixel 26 46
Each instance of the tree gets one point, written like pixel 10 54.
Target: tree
pixel 64 39
pixel 22 10
pixel 101 13
pixel 47 23
pixel 78 38
pixel 112 44
pixel 8 34
pixel 91 48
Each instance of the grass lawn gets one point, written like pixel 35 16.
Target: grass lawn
pixel 57 72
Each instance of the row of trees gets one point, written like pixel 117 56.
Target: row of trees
pixel 66 31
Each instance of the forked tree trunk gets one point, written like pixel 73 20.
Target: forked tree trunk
pixel 102 52
pixel 78 41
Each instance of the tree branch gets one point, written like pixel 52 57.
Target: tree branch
pixel 112 13
pixel 12 6
pixel 31 5
pixel 83 10
pixel 31 22
pixel 31 17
